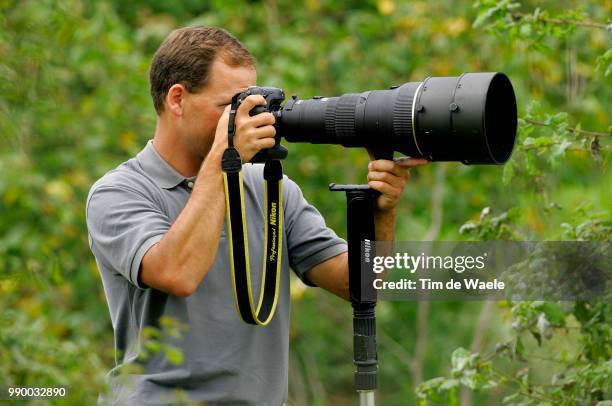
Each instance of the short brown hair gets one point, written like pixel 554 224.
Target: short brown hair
pixel 186 56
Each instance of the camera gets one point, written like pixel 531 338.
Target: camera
pixel 470 118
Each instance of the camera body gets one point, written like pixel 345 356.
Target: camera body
pixel 274 97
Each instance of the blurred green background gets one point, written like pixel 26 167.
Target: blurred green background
pixel 74 103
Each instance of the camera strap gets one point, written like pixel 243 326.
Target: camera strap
pixel 231 164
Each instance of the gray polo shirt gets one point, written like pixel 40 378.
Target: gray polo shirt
pixel 225 360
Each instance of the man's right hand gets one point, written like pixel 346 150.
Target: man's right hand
pixel 184 256
pixel 253 133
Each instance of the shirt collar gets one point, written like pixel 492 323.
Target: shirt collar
pixel 156 167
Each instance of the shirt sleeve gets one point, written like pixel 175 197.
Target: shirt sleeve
pixel 123 224
pixel 309 240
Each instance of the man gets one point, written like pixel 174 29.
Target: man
pixel 156 227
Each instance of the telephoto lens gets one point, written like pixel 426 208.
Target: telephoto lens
pixel 471 118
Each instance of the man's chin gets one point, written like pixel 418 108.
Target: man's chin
pixel 202 151
pixel 198 148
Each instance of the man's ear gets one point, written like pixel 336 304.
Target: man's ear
pixel 175 99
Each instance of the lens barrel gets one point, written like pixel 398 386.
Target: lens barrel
pixel 471 118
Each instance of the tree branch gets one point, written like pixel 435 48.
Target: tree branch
pixel 437 212
pixel 525 391
pixel 532 147
pixel 559 21
pixel 484 317
pixel 571 129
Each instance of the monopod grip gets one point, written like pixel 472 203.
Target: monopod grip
pixel 364 347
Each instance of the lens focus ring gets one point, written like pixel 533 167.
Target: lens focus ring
pixel 340 116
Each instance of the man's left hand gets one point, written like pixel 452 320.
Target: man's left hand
pixel 389 178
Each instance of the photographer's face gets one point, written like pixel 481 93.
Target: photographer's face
pixel 203 109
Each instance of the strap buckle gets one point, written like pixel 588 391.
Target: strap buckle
pixel 273 171
pixel 231 161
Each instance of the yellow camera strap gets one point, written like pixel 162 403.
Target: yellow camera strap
pixel 238 239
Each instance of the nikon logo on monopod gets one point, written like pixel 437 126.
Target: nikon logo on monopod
pixel 366 251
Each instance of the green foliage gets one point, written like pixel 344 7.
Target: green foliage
pixel 573 375
pixel 41 351
pixel 588 225
pixel 544 141
pixel 560 271
pixel 604 63
pixel 159 340
pixel 572 339
pixel 468 369
pixel 74 103
pixel 491 227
